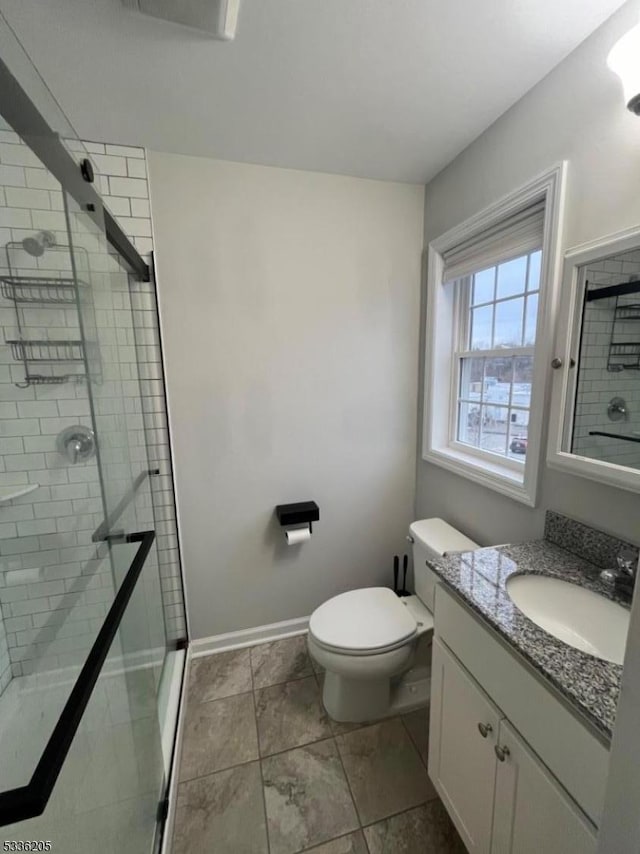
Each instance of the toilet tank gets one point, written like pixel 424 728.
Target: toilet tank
pixel 432 538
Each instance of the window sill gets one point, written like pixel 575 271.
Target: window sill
pixel 500 478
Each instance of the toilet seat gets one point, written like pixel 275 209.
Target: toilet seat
pixel 368 621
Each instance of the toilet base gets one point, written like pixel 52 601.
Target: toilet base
pixel 355 700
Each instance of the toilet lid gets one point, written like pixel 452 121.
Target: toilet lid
pixel 372 618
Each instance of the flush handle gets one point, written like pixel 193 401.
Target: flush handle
pixel 502 752
pixel 485 729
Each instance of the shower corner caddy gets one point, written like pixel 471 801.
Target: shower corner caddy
pixel 624 355
pixel 43 292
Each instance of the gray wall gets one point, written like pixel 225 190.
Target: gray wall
pixel 576 113
pixel 289 305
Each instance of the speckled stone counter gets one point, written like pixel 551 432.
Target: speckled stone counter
pixel 589 684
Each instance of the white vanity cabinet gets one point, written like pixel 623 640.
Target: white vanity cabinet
pixel 500 794
pixel 462 734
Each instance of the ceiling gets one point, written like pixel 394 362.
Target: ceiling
pixel 390 89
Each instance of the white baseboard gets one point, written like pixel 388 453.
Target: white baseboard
pixel 248 637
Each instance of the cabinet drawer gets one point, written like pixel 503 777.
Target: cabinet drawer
pixel 572 753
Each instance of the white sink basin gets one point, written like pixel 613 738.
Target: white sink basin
pixel 579 617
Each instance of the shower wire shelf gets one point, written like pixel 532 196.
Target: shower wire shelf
pixel 624 355
pixel 44 379
pixel 32 289
pixel 24 350
pixel 628 312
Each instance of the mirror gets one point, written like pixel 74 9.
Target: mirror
pixel 596 401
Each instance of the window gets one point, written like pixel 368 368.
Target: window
pixel 491 297
pixel 493 367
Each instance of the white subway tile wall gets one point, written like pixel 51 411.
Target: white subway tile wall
pixel 596 385
pixel 50 620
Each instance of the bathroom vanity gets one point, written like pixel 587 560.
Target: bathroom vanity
pixel 520 722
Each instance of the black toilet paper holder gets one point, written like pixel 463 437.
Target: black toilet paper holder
pixel 300 513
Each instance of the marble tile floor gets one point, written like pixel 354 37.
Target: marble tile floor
pixel 265 771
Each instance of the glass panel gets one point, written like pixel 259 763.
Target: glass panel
pixel 512 277
pixel 483 286
pixel 123 465
pixel 497 380
pixel 65 304
pixel 518 432
pixel 106 798
pixel 522 380
pixel 481 327
pixel 493 435
pixel 471 376
pixel 56 584
pixel 508 327
pixel 469 422
pixel 602 414
pixel 535 259
pixel 531 320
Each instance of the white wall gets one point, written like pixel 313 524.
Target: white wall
pixel 289 305
pixel 576 113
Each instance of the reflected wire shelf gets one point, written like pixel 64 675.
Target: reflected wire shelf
pixel 32 289
pixel 24 350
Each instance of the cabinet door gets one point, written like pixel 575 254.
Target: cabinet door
pixel 532 812
pixel 462 734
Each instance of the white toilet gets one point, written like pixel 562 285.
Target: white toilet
pixel 366 639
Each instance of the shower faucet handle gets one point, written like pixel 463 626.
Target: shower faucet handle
pixel 617 409
pixel 77 443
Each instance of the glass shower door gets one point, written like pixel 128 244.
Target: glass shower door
pixel 81 761
pixel 133 668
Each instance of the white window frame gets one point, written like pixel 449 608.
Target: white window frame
pixel 514 479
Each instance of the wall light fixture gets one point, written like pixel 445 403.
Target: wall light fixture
pixel 624 60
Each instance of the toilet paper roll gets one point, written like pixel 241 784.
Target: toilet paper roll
pixel 297 535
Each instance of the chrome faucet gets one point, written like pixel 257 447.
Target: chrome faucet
pixel 623 577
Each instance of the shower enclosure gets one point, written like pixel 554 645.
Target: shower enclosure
pixel 92 628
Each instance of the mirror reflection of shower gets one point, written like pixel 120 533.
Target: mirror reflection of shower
pixel 606 414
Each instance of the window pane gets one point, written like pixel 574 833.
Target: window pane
pixel 508 329
pixel 498 376
pixel 511 277
pixel 468 422
pixel 471 375
pixel 534 270
pixel 483 283
pixel 522 380
pixel 530 323
pixel 494 426
pixel 518 433
pixel 481 322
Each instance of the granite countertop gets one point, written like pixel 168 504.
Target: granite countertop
pixel 589 684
